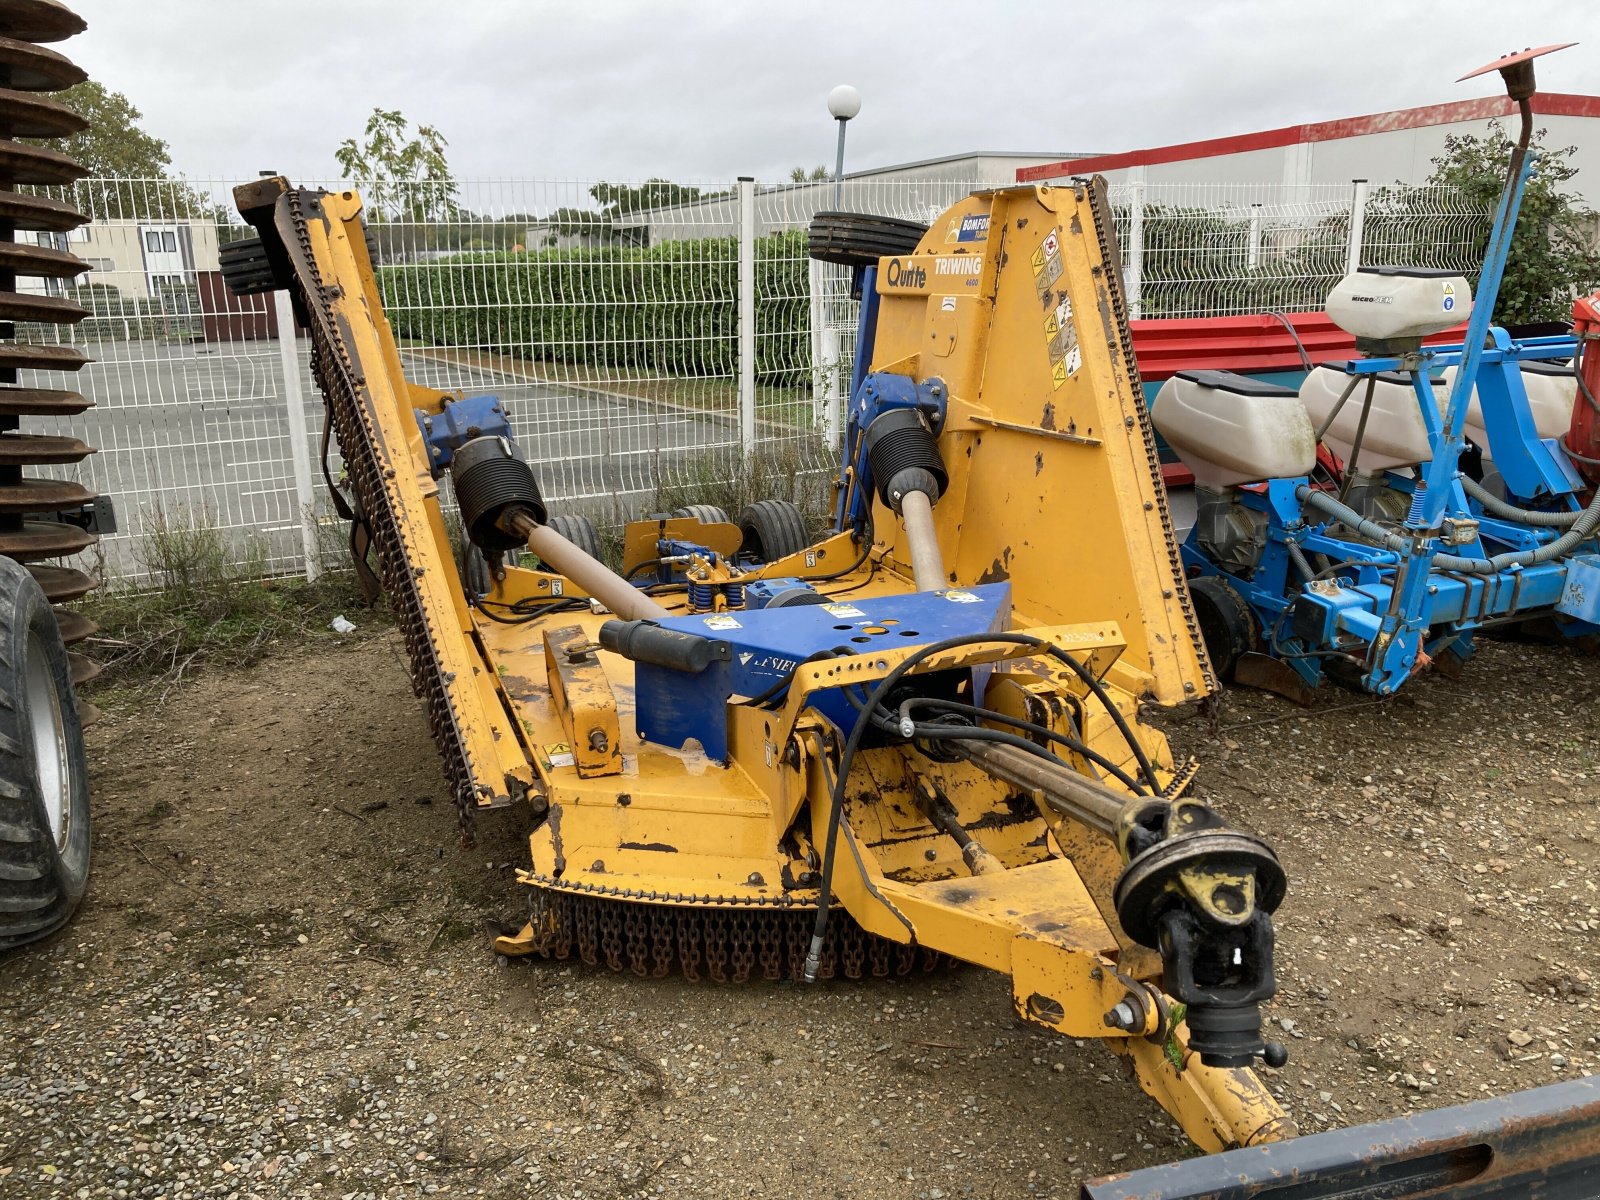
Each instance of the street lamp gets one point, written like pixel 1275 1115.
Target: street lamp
pixel 844 102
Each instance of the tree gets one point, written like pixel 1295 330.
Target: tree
pixel 130 170
pixel 618 199
pixel 815 175
pixel 404 175
pixel 1552 258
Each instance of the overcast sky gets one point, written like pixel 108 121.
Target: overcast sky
pixel 699 91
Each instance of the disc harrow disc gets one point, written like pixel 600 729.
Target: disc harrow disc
pixel 39 262
pixel 42 495
pixel 52 310
pixel 24 114
pixel 23 356
pixel 61 584
pixel 42 402
pixel 39 20
pixel 75 626
pixel 44 213
pixel 44 539
pixel 18 449
pixel 35 69
pixel 83 669
pixel 22 163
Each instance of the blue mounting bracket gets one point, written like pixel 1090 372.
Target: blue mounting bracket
pixel 459 422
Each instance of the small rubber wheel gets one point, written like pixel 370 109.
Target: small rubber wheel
pixel 772 529
pixel 861 239
pixel 1226 623
pixel 44 777
pixel 580 531
pixel 245 268
pixel 706 514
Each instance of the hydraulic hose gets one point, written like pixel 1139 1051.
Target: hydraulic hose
pixel 1526 516
pixel 1581 529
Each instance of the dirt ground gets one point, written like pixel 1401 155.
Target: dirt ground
pixel 281 982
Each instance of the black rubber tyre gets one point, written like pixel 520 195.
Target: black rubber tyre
pixel 44 777
pixel 245 268
pixel 1226 623
pixel 580 531
pixel 706 514
pixel 860 239
pixel 773 529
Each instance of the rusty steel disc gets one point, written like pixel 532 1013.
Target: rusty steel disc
pixel 39 20
pixel 83 669
pixel 74 626
pixel 51 310
pixel 20 356
pixel 43 495
pixel 26 114
pixel 19 449
pixel 39 212
pixel 42 402
pixel 40 262
pixel 63 583
pixel 31 68
pixel 44 539
pixel 1511 60
pixel 22 163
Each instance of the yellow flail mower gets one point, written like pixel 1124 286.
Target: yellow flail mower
pixel 917 739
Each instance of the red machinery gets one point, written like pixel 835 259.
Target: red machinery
pixel 1583 440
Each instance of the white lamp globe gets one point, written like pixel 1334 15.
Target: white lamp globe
pixel 844 102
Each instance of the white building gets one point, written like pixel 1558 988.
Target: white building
pixel 143 260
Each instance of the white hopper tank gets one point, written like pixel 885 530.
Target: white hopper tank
pixel 1230 429
pixel 1395 435
pixel 1552 390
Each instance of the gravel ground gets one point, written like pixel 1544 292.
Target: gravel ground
pixel 281 985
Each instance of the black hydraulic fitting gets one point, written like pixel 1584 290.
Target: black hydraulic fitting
pixel 491 483
pixel 904 457
pixel 647 642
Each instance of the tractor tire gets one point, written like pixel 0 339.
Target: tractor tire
pixel 44 776
pixel 773 529
pixel 1227 625
pixel 706 514
pixel 580 531
pixel 860 239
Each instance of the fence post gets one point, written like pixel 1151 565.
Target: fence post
pixel 1254 254
pixel 1134 276
pixel 1358 223
pixel 299 439
pixel 747 313
pixel 824 358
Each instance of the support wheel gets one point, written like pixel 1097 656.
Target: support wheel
pixel 580 531
pixel 706 514
pixel 860 239
pixel 1226 623
pixel 44 778
pixel 773 529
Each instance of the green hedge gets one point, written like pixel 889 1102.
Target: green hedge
pixel 669 308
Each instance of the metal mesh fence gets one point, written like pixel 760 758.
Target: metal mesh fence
pixel 636 333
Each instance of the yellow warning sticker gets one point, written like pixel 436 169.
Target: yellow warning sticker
pixel 1058 372
pixel 559 754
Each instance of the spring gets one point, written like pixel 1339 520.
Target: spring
pixel 1419 497
pixel 733 594
pixel 701 596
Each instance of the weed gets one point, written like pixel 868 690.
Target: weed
pixel 794 470
pixel 211 607
pixel 158 811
